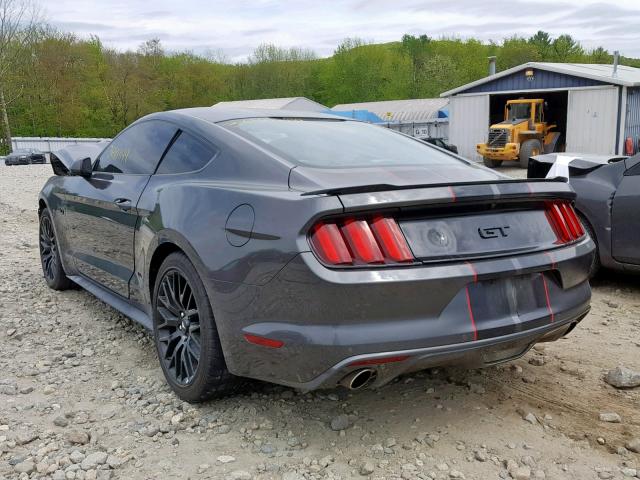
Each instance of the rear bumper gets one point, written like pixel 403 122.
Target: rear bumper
pixel 509 152
pixel 478 354
pixel 458 313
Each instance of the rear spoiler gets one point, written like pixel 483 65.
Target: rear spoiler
pixel 456 193
pixel 382 187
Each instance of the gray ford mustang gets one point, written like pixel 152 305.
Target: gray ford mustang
pixel 310 251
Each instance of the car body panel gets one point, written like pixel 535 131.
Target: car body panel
pixel 61 160
pixel 243 220
pixel 100 219
pixel 625 220
pixel 608 195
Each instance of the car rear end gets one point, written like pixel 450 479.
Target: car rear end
pixel 403 280
pixel 405 257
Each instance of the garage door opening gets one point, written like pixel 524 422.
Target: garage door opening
pixel 555 111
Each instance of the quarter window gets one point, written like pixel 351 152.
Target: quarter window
pixel 138 149
pixel 186 154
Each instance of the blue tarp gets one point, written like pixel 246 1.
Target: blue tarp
pixel 363 115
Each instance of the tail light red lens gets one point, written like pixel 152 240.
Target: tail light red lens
pixel 360 241
pixel 391 239
pixel 564 221
pixel 360 238
pixel 263 341
pixel 328 243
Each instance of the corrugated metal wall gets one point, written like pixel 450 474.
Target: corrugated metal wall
pixel 50 144
pixel 592 120
pixel 468 123
pixel 542 79
pixel 435 129
pixel 632 123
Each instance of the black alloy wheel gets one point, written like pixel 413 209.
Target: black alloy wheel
pixel 186 336
pixel 178 327
pixel 48 249
pixel 52 268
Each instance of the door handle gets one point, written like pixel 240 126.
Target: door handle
pixel 123 204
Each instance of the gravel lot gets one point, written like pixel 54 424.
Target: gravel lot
pixel 82 396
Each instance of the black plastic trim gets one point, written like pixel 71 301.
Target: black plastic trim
pixel 114 300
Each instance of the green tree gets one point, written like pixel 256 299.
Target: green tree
pixel 566 49
pixel 543 44
pixel 516 51
pixel 18 23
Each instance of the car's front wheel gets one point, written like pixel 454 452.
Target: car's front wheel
pixel 52 268
pixel 186 336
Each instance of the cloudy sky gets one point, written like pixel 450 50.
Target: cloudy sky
pixel 237 27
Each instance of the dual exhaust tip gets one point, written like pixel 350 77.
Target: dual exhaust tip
pixel 359 379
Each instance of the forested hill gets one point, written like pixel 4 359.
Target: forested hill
pixel 74 87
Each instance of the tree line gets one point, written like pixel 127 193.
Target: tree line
pixel 55 84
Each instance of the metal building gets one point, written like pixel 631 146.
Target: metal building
pixel 49 144
pixel 596 107
pixel 291 103
pixel 421 117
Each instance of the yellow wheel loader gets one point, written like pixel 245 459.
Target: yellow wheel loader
pixel 522 134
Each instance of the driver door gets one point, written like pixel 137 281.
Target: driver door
pixel 101 215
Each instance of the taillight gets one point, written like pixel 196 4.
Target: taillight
pixel 564 221
pixel 391 239
pixel 360 241
pixel 360 238
pixel 328 243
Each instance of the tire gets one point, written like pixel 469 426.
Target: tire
pixel 595 262
pixel 52 268
pixel 489 162
pixel 529 148
pixel 186 336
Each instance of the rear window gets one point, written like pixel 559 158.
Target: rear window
pixel 336 143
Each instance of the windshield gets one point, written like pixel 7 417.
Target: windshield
pixel 329 143
pixel 519 110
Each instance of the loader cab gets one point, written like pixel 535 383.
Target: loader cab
pixel 524 109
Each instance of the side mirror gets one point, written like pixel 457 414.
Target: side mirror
pixel 81 167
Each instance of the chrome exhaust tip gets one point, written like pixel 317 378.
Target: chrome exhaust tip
pixel 358 379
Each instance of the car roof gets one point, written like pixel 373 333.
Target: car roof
pixel 218 114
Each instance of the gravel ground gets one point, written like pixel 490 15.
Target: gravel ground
pixel 82 396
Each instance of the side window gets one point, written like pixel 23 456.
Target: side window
pixel 137 150
pixel 186 154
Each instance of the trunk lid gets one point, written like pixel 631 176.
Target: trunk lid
pixel 474 214
pixel 473 235
pixel 309 179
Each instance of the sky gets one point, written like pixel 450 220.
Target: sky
pixel 233 29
